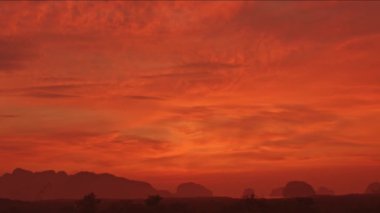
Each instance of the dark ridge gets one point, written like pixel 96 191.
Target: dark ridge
pixel 22 184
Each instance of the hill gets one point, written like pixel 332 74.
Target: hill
pixel 26 185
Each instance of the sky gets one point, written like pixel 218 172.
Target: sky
pixel 227 94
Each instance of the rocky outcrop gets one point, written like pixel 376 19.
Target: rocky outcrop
pixel 298 189
pixel 192 190
pixel 26 185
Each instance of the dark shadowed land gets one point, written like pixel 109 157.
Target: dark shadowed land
pixel 86 192
pixel 22 184
pixel 321 204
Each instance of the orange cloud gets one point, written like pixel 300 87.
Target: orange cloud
pixel 190 90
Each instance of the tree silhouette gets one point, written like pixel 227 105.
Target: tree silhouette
pixel 153 200
pixel 88 203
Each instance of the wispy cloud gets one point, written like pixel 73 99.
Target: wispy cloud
pixel 48 95
pixel 208 66
pixel 179 87
pixel 144 98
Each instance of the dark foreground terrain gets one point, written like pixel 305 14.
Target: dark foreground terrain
pixel 322 204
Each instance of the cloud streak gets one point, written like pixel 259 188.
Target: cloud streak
pixel 175 88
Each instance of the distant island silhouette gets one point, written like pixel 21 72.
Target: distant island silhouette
pixel 88 192
pixel 22 184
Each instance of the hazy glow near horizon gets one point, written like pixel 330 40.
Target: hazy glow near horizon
pixel 211 91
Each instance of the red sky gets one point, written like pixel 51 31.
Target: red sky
pixel 228 94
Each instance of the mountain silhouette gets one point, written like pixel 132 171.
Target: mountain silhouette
pixel 26 185
pixel 191 189
pixel 298 189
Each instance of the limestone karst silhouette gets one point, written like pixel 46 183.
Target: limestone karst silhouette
pixel 298 189
pixel 26 185
pixel 191 189
pixel 22 184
